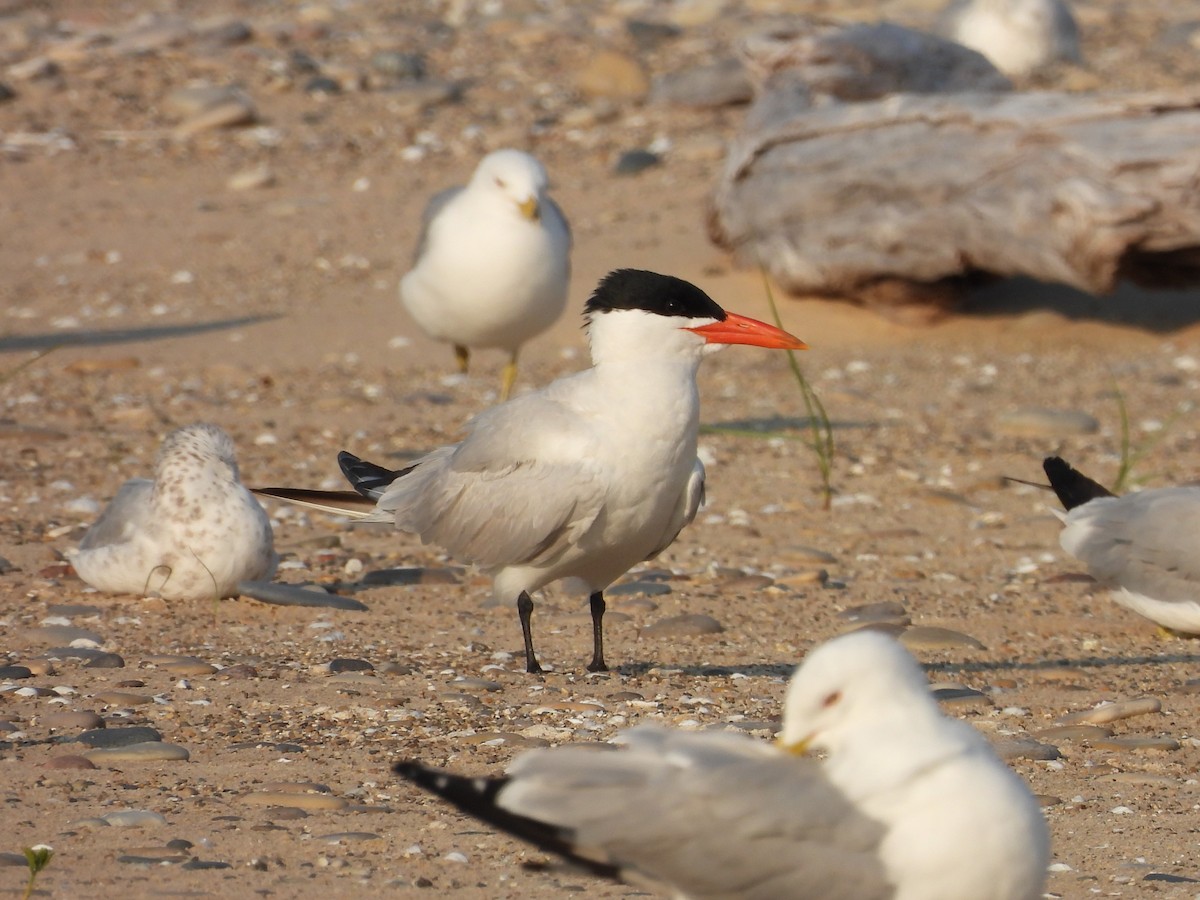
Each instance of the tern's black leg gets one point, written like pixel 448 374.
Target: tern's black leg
pixel 597 604
pixel 525 611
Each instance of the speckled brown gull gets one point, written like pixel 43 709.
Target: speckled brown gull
pixel 192 532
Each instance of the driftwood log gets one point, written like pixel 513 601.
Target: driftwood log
pixel 911 197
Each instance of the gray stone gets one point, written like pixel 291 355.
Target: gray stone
pixel 69 654
pixel 70 719
pixel 632 162
pixel 349 837
pixel 342 664
pixel 14 672
pixel 1026 748
pixel 723 83
pixel 118 737
pixel 322 84
pixel 645 588
pixel 684 625
pixel 399 65
pixel 105 661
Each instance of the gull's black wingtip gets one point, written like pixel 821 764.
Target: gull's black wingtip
pixel 479 797
pixel 1072 486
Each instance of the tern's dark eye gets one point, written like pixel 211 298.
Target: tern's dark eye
pixel 500 183
pixel 831 699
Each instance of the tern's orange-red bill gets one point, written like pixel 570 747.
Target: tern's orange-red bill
pixel 744 330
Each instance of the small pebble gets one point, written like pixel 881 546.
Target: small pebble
pixel 928 637
pixel 1112 712
pixel 349 665
pixel 147 751
pixel 122 698
pixel 631 162
pixel 105 661
pixel 71 719
pixel 684 625
pixel 118 737
pixel 135 818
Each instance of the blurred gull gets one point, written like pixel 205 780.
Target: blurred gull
pixel 493 261
pixel 193 532
pixel 1018 36
pixel 1145 547
pixel 906 804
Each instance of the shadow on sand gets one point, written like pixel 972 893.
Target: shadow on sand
pixel 51 340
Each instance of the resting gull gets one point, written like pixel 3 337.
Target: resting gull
pixel 907 803
pixel 192 532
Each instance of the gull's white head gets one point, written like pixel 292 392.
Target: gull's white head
pixel 515 176
pixel 849 684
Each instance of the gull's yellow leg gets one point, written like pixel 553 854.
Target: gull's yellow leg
pixel 510 377
pixel 463 355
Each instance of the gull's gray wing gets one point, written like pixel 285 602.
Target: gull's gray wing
pixel 1147 543
pixel 553 213
pixel 128 513
pixel 715 816
pixel 521 488
pixel 435 205
pixel 689 504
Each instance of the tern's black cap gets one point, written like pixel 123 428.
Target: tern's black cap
pixel 663 295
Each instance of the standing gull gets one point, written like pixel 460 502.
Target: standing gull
pixel 907 803
pixel 493 261
pixel 192 532
pixel 583 479
pixel 1144 547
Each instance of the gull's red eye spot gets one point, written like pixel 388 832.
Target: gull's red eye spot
pixel 831 699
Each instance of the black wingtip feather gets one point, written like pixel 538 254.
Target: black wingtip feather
pixel 478 797
pixel 367 478
pixel 1072 486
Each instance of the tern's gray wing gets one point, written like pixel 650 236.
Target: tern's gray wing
pixel 712 815
pixel 1147 543
pixel 127 514
pixel 519 490
pixel 689 504
pixel 435 205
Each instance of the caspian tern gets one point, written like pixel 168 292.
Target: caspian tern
pixel 492 262
pixel 193 532
pixel 906 803
pixel 1145 547
pixel 583 479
